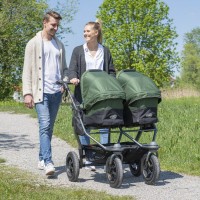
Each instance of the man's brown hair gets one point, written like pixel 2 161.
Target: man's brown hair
pixel 53 14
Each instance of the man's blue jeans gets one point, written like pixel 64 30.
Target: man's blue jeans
pixel 47 112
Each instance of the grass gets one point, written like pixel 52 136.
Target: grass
pixel 18 184
pixel 179 135
pixel 63 125
pixel 15 107
pixel 178 132
pixel 2 160
pixel 171 93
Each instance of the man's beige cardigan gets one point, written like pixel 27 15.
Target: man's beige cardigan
pixel 32 77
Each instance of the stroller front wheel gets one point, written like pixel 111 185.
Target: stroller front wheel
pixel 114 172
pixel 72 166
pixel 150 169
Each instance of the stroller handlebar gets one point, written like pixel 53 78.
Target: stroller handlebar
pixel 63 83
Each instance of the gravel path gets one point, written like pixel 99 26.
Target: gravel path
pixel 19 146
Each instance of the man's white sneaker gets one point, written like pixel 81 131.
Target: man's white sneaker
pixel 41 165
pixel 49 169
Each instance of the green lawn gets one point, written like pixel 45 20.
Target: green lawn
pixel 179 135
pixel 178 132
pixel 19 185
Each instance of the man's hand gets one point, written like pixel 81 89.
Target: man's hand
pixel 28 100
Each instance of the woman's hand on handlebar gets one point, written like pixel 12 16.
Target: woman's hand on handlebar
pixel 75 81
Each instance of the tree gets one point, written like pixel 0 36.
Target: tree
pixel 67 10
pixel 190 71
pixel 140 35
pixel 20 20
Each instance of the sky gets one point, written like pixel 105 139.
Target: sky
pixel 185 15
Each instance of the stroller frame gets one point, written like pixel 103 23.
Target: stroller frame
pixel 141 158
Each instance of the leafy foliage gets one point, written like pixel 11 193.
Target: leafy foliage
pixel 20 20
pixel 190 73
pixel 67 10
pixel 140 35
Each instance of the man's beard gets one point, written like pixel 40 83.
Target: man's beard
pixel 52 33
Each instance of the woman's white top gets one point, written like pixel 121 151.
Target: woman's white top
pixel 95 62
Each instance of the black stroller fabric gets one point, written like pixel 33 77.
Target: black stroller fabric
pixel 76 122
pixel 103 99
pixel 142 98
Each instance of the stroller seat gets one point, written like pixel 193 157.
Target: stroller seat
pixel 142 98
pixel 103 99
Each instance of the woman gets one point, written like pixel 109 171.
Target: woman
pixel 91 55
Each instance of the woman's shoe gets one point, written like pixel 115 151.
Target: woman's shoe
pixel 92 168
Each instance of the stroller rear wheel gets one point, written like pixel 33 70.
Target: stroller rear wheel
pixel 114 171
pixel 72 166
pixel 150 169
pixel 135 168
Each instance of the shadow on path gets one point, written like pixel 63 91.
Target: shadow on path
pixel 128 179
pixel 16 142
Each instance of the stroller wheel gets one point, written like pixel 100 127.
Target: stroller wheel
pixel 135 168
pixel 114 172
pixel 72 166
pixel 150 169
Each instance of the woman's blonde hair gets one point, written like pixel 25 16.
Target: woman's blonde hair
pixel 97 26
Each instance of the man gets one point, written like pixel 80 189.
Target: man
pixel 44 64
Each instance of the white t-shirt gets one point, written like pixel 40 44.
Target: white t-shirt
pixel 51 67
pixel 95 62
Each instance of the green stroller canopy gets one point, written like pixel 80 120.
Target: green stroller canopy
pixel 137 86
pixel 97 85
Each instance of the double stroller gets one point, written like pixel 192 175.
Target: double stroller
pixel 127 107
